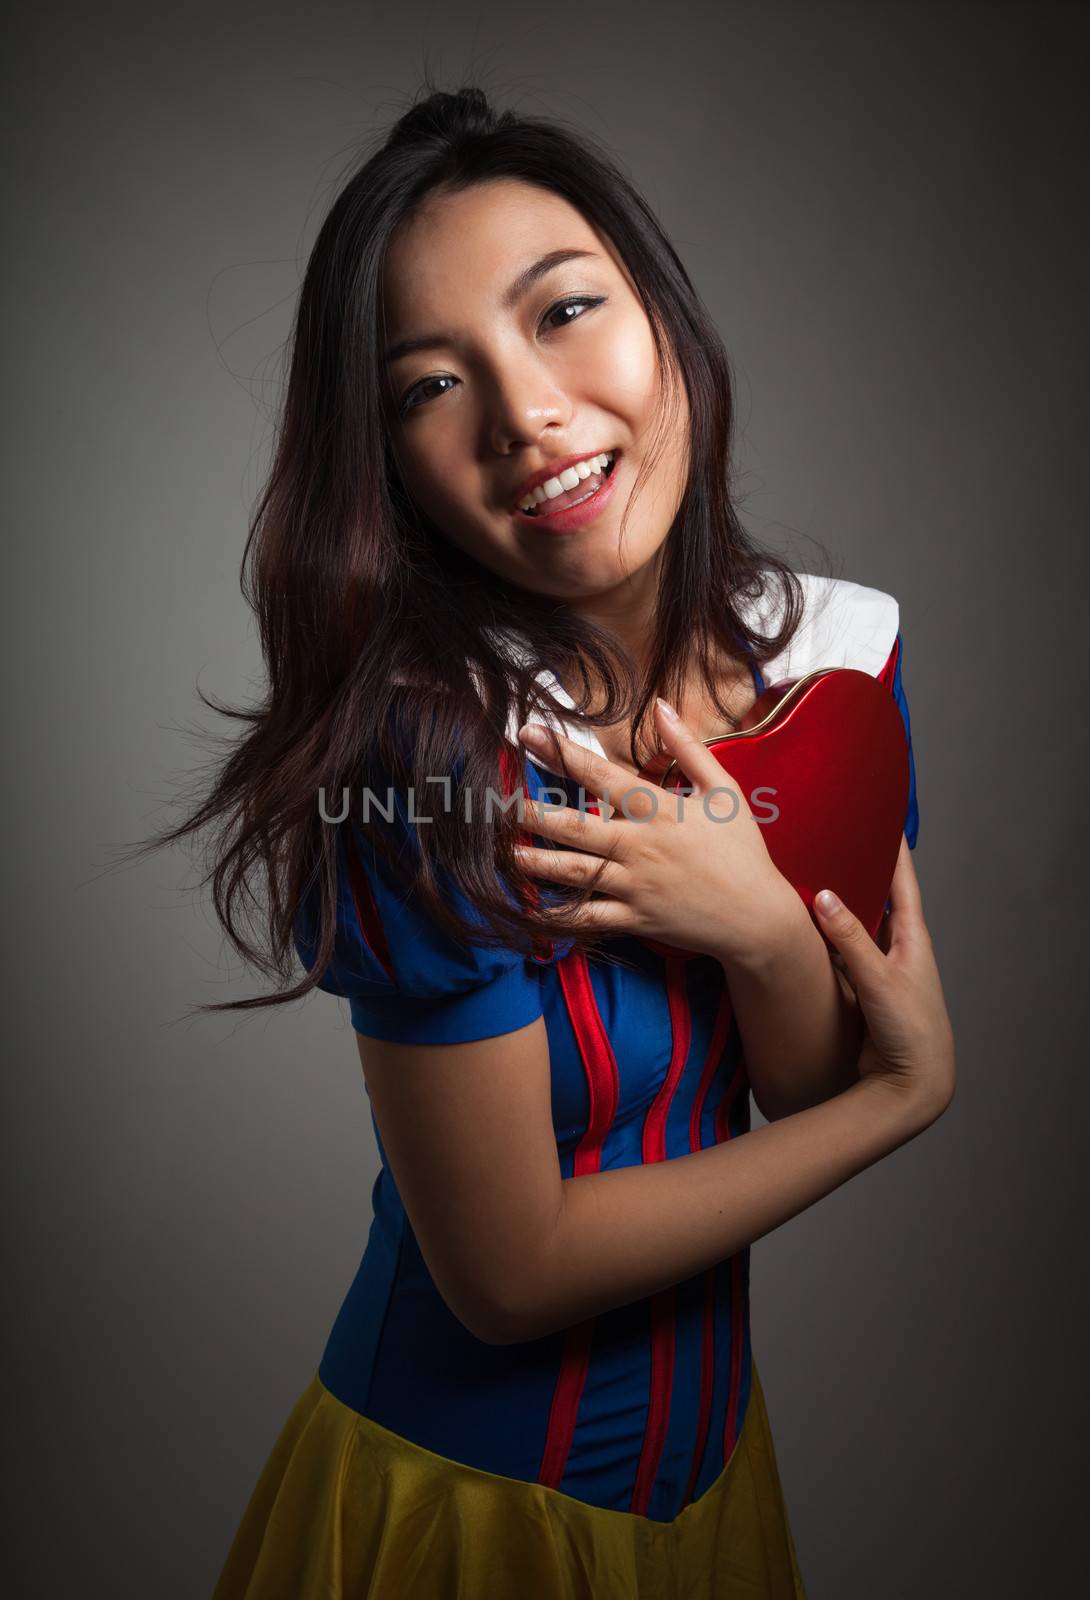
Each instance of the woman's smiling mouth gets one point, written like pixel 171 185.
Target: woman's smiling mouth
pixel 572 498
pixel 560 488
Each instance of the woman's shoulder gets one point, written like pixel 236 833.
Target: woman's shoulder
pixel 843 624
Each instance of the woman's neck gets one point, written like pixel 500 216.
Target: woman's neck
pixel 628 613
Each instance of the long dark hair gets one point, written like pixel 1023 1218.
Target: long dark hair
pixel 383 641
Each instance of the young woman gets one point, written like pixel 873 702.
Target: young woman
pixel 501 496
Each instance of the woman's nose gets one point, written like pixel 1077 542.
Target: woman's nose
pixel 525 403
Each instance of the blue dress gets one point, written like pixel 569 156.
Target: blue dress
pixel 638 1410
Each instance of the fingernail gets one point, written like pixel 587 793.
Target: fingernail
pixel 826 902
pixel 667 708
pixel 535 735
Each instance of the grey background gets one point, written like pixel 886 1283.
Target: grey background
pixel 881 204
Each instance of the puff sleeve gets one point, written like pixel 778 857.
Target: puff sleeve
pixel 891 676
pixel 406 979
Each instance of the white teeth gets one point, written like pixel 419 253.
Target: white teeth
pixel 566 480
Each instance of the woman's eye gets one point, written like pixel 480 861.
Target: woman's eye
pixel 409 400
pixel 566 305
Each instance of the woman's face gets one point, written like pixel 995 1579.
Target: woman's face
pixel 512 384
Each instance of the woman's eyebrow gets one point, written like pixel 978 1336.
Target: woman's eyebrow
pixel 508 300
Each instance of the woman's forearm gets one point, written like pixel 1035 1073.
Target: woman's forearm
pixel 800 1035
pixel 628 1232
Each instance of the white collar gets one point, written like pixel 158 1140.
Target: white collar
pixel 843 624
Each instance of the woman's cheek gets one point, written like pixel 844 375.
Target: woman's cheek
pixel 625 366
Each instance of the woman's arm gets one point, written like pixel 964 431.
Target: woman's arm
pixel 517 1251
pixel 631 1231
pixel 801 1028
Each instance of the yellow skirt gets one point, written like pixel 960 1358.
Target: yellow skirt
pixel 346 1509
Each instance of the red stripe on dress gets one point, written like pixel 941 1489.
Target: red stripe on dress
pixel 367 917
pixel 720 1031
pixel 663 1307
pixel 600 1069
pixel 730 1424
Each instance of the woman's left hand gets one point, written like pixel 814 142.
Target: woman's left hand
pixel 691 870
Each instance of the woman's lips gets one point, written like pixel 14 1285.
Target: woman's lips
pixel 570 517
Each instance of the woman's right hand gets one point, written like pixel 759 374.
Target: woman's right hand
pixel 909 1042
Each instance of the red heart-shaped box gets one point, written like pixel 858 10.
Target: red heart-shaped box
pixel 822 761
